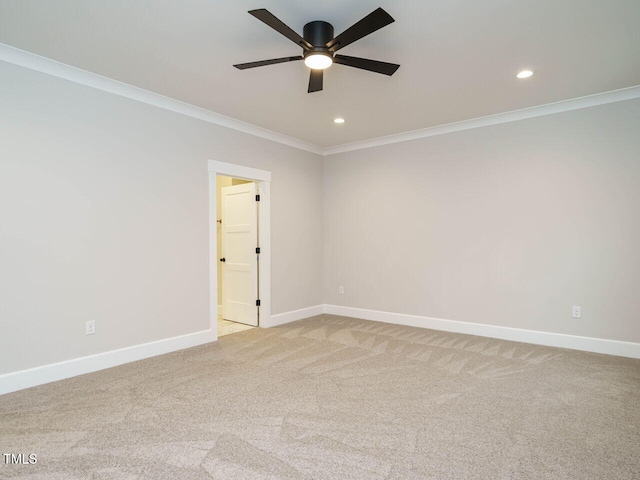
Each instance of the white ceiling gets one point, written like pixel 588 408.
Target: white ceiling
pixel 458 57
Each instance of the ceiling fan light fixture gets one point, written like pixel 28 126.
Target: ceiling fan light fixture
pixel 318 61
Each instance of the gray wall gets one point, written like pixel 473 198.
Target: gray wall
pixel 507 225
pixel 104 216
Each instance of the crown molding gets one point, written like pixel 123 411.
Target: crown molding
pixel 613 96
pixel 57 69
pixel 54 68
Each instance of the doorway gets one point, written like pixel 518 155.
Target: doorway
pixel 238 254
pixel 239 247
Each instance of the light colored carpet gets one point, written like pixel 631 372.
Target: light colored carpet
pixel 336 398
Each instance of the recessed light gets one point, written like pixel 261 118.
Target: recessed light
pixel 338 120
pixel 524 74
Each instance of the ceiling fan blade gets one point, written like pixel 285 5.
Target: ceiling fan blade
pixel 262 63
pixel 369 24
pixel 267 17
pixel 366 64
pixel 315 81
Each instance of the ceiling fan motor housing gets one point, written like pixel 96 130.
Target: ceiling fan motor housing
pixel 318 34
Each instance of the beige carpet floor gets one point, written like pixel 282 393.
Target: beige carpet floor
pixel 336 398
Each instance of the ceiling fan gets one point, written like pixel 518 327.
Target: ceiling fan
pixel 319 46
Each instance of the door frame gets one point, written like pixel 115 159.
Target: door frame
pixel 263 180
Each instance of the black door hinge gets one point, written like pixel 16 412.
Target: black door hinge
pixel 257 303
pixel 257 249
pixel 257 198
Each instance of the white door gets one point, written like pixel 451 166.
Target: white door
pixel 240 262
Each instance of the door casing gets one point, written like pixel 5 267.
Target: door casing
pixel 263 180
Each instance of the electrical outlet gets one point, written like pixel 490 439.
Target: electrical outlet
pixel 90 327
pixel 341 290
pixel 576 312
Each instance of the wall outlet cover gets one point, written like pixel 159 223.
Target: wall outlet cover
pixel 90 327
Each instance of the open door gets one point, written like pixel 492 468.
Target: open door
pixel 240 259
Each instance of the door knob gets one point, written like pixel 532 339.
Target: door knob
pixel 223 259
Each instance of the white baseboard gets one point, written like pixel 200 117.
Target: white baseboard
pixel 574 342
pixel 12 382
pixel 282 318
